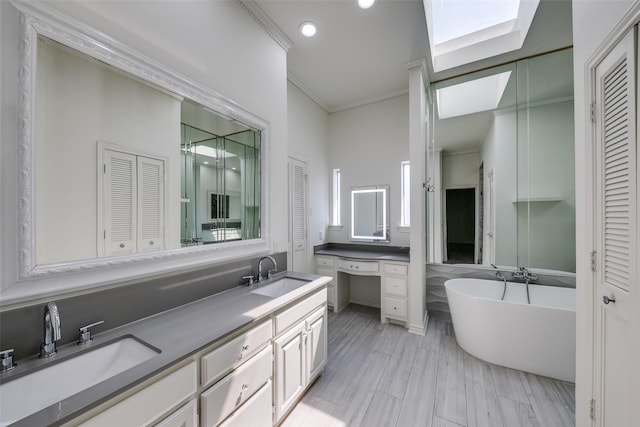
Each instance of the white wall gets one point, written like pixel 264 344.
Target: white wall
pixel 592 22
pixel 499 153
pixel 78 102
pixel 216 44
pixel 460 169
pixel 546 229
pixel 368 145
pixel 308 141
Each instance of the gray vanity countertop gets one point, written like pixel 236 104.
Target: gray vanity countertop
pixel 178 333
pixel 360 254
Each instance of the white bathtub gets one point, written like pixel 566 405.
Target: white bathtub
pixel 539 337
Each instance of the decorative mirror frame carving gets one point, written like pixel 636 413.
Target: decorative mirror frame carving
pixel 38 19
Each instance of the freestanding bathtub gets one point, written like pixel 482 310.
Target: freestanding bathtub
pixel 539 337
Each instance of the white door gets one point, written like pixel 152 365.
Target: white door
pixel 298 214
pixel 616 235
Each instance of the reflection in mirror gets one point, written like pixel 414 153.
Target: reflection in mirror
pixel 515 152
pixel 123 166
pixel 220 185
pixel 369 214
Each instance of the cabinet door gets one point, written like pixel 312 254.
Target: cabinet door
pixel 290 369
pixel 316 343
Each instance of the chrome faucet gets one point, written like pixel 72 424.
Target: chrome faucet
pixel 275 267
pixel 527 277
pixel 51 332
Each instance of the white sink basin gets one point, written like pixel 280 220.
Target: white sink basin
pixel 279 287
pixel 30 393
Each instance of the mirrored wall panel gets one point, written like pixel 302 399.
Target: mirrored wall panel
pixel 123 166
pixel 220 185
pixel 501 145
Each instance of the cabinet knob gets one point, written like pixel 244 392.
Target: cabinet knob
pixel 121 245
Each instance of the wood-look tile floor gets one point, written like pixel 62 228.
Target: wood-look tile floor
pixel 381 375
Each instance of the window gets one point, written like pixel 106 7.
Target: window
pixel 335 215
pixel 405 197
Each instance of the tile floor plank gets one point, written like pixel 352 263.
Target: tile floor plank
pixel 380 375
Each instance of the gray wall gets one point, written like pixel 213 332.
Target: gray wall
pixel 21 329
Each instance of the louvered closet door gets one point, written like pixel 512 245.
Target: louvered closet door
pixel 298 213
pixel 119 203
pixel 616 230
pixel 150 204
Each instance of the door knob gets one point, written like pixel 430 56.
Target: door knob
pixel 607 300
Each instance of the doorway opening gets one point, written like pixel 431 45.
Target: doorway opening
pixel 460 230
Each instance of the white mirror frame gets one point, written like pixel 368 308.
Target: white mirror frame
pixel 38 19
pixel 385 221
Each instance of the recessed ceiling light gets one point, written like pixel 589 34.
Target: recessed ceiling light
pixel 366 4
pixel 308 29
pixel 206 163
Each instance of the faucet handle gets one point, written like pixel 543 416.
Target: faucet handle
pixel 270 273
pixel 85 333
pixel 6 360
pixel 250 278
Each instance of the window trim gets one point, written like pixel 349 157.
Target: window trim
pixel 336 213
pixel 405 194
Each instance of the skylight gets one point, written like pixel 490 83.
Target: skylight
pixel 464 31
pixel 472 97
pixel 455 18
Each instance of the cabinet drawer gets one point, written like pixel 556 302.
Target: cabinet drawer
pixel 240 349
pixel 396 269
pixel 145 406
pixel 325 262
pixel 358 266
pixel 395 286
pixel 290 316
pixel 234 389
pixel 395 308
pixel 255 413
pixel 187 416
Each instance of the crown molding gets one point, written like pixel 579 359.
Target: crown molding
pixel 267 24
pixel 304 89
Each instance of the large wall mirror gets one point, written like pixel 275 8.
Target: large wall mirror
pixel 506 143
pixel 128 163
pixel 369 214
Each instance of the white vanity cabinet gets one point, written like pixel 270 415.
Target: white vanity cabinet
pixel 300 350
pixel 245 379
pixel 247 361
pixel 150 404
pixel 326 266
pixel 395 281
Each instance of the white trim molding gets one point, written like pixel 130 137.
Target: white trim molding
pixel 266 23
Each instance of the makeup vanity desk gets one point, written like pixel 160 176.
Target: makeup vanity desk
pixel 387 264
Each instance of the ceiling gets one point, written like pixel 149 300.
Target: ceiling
pixel 362 56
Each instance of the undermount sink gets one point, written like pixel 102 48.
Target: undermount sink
pixel 30 393
pixel 279 287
